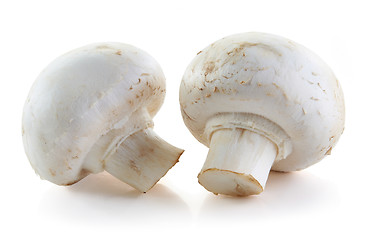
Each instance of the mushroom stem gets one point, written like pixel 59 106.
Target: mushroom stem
pixel 142 159
pixel 238 162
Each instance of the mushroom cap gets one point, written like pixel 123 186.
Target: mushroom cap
pixel 81 96
pixel 272 77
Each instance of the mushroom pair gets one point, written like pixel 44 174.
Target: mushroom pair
pixel 258 101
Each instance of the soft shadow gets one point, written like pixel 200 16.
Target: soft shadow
pixel 104 184
pixel 285 194
pixel 103 200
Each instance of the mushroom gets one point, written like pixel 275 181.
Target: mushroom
pixel 91 110
pixel 260 102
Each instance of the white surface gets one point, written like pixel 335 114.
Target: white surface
pixel 327 200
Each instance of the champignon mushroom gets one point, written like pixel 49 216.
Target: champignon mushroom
pixel 259 102
pixel 91 110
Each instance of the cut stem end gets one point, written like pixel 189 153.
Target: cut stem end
pixel 142 159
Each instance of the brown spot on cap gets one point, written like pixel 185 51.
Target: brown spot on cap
pixel 329 151
pixel 209 67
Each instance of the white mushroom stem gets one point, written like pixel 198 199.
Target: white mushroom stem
pixel 142 159
pixel 238 162
pixel 132 152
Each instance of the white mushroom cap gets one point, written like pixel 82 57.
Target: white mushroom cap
pixel 85 104
pixel 268 77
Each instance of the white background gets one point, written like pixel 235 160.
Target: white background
pixel 327 200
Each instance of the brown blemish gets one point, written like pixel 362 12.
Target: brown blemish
pixel 209 67
pixel 225 77
pixel 130 102
pixel 240 190
pixel 75 156
pixel 67 165
pixel 216 89
pixel 145 74
pixel 208 95
pixel 103 164
pixel 321 88
pixel 310 82
pixel 329 151
pixel 186 115
pixel 256 69
pixel 283 92
pixel 199 53
pixel 101 95
pixel 130 88
pixel 269 94
pixel 330 139
pixel 261 45
pixel 285 96
pixel 304 111
pixel 134 167
pixel 259 84
pixel 276 85
pixel 71 183
pixel 119 52
pixel 315 99
pixel 114 112
pixel 52 172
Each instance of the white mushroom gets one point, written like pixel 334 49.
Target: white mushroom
pixel 91 110
pixel 259 102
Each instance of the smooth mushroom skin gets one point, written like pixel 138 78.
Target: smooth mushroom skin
pixel 267 77
pixel 90 104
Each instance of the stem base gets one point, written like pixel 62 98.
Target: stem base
pixel 229 183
